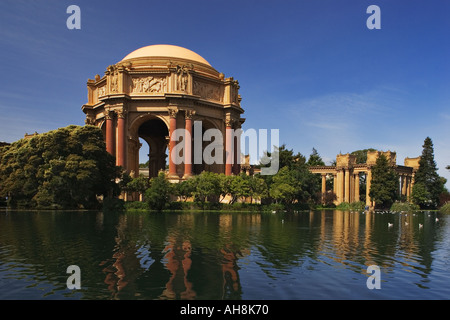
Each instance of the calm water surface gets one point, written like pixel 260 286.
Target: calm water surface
pixel 209 256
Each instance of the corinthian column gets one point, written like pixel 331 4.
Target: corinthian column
pixel 109 132
pixel 368 182
pixel 324 187
pixel 121 138
pixel 356 187
pixel 188 143
pixel 172 128
pixel 347 185
pixel 228 147
pixel 237 150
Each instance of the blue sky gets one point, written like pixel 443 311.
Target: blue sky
pixel 310 68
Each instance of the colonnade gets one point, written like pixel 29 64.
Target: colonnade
pixel 346 176
pixel 346 184
pixel 115 138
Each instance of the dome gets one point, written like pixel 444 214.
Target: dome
pixel 166 51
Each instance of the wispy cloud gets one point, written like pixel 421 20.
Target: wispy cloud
pixel 345 114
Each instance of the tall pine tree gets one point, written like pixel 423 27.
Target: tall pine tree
pixel 427 183
pixel 384 186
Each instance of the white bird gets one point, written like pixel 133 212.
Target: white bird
pixel 437 219
pixel 390 224
pixel 420 225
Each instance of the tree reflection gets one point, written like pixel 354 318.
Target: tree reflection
pixel 203 255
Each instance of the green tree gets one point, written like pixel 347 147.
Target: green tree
pixel 385 184
pixel 65 168
pixel 240 187
pixel 315 159
pixel 139 185
pixel 284 187
pixel 207 187
pixel 361 155
pixel 185 189
pixel 158 193
pixel 304 184
pixel 225 183
pixel 258 187
pixel 420 193
pixel 428 178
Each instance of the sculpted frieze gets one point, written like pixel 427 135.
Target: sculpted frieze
pixel 149 84
pixel 208 91
pixel 101 91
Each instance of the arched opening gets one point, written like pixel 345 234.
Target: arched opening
pixel 154 132
pixel 204 166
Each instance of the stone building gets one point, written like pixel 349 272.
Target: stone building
pixel 152 92
pixel 346 175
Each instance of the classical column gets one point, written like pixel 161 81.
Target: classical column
pixel 228 147
pixel 324 187
pixel 237 150
pixel 404 183
pixel 172 143
pixel 188 143
pixel 368 181
pixel 121 138
pixel 408 188
pixel 347 185
pixel 340 186
pixel 109 132
pixel 356 187
pixel 334 183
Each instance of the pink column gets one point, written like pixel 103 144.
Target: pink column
pixel 188 144
pixel 172 144
pixel 121 139
pixel 109 132
pixel 228 148
pixel 237 152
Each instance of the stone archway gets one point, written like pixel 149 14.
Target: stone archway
pixel 154 132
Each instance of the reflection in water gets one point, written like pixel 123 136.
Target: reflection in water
pixel 204 255
pixel 178 262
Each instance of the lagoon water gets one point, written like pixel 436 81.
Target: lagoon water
pixel 214 256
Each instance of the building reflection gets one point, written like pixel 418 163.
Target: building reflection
pixel 178 261
pixel 200 251
pixel 121 273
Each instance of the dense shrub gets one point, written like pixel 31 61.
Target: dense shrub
pixel 355 206
pixel 404 206
pixel 67 168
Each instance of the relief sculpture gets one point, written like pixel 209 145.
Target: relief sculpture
pixel 102 91
pixel 182 78
pixel 149 85
pixel 208 91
